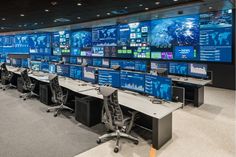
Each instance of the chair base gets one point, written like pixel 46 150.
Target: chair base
pixel 28 95
pixel 58 109
pixel 118 134
pixel 6 87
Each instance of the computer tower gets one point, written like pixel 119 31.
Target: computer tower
pixel 45 94
pixel 88 110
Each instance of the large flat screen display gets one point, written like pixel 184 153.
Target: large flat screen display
pixel 40 43
pixel 109 77
pixel 104 36
pixel 216 36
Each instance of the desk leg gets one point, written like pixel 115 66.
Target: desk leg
pixel 161 131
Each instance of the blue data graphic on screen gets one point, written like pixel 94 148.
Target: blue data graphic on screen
pixel 76 72
pixel 35 65
pixel 63 70
pixel 86 52
pixel 81 39
pixel 132 81
pixel 124 52
pixel 140 66
pixel 54 58
pixel 25 63
pixel 128 64
pixel 116 62
pixel 97 62
pixel 158 64
pixel 178 68
pixel 97 51
pixel 110 51
pixel 52 68
pixel 89 74
pixel 66 59
pixel 185 53
pixel 16 62
pixel 45 66
pixel 40 43
pixel 104 36
pixel 105 63
pixel 21 44
pixel 177 31
pixel 109 77
pixel 197 70
pixel 216 36
pixel 73 60
pixel 160 87
pixel 87 61
pixel 142 52
pixel 134 34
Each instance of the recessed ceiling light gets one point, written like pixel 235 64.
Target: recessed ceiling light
pixel 210 7
pixel 3 19
pixel 157 3
pixel 19 26
pixel 54 3
pixel 140 5
pixel 35 23
pixel 175 0
pixel 25 25
pixel 98 15
pixel 2 27
pixel 108 14
pixel 79 4
pixel 46 10
pixel 146 8
pixel 126 7
pixel 22 15
pixel 78 18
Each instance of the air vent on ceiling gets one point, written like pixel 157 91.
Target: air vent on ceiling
pixel 119 12
pixel 62 20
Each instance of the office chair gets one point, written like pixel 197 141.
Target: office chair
pixel 27 85
pixel 114 119
pixel 6 78
pixel 57 96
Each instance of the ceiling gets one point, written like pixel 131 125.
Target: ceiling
pixel 36 14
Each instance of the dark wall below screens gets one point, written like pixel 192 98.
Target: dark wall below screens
pixel 223 75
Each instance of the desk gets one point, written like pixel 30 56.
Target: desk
pixel 161 114
pixel 194 88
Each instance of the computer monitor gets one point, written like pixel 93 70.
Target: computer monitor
pixel 89 74
pixel 86 52
pixel 98 51
pixel 185 53
pixel 87 61
pixel 63 70
pixel 36 65
pixel 54 58
pixel 25 63
pixel 75 52
pixel 178 68
pixel 52 68
pixel 160 87
pixel 97 62
pixel 124 52
pixel 76 72
pixel 16 62
pixel 197 70
pixel 109 77
pixel 132 81
pixel 115 63
pixel 159 64
pixel 140 65
pixel 105 63
pixel 73 60
pixel 142 52
pixel 79 60
pixel 128 64
pixel 45 66
pixel 66 59
pixel 8 61
pixel 161 53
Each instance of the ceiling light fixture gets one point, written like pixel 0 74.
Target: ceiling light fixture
pixel 22 15
pixel 210 8
pixel 78 18
pixel 146 8
pixel 54 3
pixel 175 0
pixel 79 4
pixel 126 7
pixel 108 14
pixel 46 10
pixel 3 19
pixel 98 15
pixel 157 3
pixel 140 5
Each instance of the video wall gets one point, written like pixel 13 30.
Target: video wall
pixel 206 37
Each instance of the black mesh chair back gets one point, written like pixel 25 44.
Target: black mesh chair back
pixel 57 92
pixel 113 111
pixel 26 80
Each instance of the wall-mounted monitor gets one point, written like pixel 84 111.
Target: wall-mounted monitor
pixel 45 66
pixel 185 53
pixel 97 62
pixel 161 53
pixel 159 64
pixel 89 74
pixel 16 62
pixel 86 52
pixel 142 52
pixel 124 52
pixel 197 70
pixel 97 51
pixel 79 60
pixel 105 63
pixel 128 64
pixel 115 63
pixel 40 43
pixel 109 77
pixel 110 51
pixel 160 87
pixel 178 68
pixel 54 58
pixel 87 61
pixel 76 72
pixel 104 36
pixel 35 65
pixel 81 39
pixel 25 63
pixel 66 59
pixel 73 60
pixel 132 81
pixel 140 65
pixel 61 43
pixel 134 34
pixel 21 44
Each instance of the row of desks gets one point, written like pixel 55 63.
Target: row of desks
pixel 161 114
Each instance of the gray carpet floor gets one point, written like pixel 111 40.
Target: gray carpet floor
pixel 27 130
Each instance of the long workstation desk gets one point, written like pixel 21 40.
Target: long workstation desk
pixel 161 114
pixel 194 88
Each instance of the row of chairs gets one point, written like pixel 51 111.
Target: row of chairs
pixel 112 115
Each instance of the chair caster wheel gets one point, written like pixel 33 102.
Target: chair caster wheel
pixel 116 149
pixel 99 141
pixel 3 89
pixel 20 96
pixel 24 99
pixel 48 110
pixel 136 142
pixel 55 115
